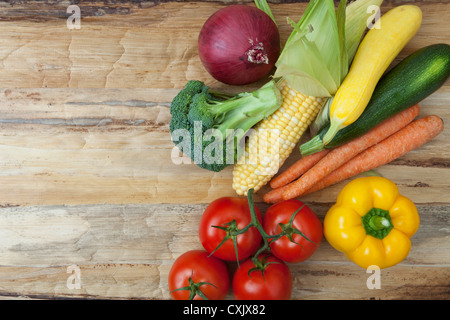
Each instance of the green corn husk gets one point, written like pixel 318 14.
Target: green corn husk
pixel 316 57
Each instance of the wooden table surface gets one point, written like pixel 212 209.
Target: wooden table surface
pixel 87 185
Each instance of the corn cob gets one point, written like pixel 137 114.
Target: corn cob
pixel 278 135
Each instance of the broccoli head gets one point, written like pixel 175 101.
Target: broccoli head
pixel 179 107
pixel 208 126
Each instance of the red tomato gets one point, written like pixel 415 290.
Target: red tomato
pixel 275 284
pixel 219 213
pixel 306 221
pixel 197 266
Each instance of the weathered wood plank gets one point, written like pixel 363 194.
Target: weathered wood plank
pixel 86 172
pixel 44 236
pixel 151 47
pixel 126 251
pixel 56 9
pixel 311 281
pixel 99 281
pixel 75 146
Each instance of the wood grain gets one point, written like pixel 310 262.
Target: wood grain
pixel 126 251
pixel 76 146
pixel 147 48
pixel 86 170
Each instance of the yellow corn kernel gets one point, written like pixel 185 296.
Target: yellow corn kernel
pixel 273 139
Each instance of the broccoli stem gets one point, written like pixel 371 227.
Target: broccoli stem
pixel 247 109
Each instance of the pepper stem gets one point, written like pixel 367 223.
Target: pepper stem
pixel 377 223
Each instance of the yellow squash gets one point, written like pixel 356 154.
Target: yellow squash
pixel 374 55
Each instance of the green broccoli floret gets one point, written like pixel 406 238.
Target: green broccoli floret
pixel 208 126
pixel 179 107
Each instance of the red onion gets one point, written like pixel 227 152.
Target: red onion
pixel 239 44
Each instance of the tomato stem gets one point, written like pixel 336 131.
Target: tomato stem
pixel 267 238
pixel 286 230
pixel 289 230
pixel 260 265
pixel 232 232
pixel 258 226
pixel 194 289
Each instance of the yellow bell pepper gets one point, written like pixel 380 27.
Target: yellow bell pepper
pixel 372 223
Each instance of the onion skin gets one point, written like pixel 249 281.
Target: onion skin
pixel 239 44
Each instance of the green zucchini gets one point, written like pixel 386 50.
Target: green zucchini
pixel 412 80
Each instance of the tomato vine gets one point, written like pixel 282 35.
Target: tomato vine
pixel 232 232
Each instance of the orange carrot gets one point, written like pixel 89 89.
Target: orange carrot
pixel 275 195
pixel 342 154
pixel 409 138
pixel 297 169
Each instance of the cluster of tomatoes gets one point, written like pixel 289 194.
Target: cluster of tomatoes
pixel 230 231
